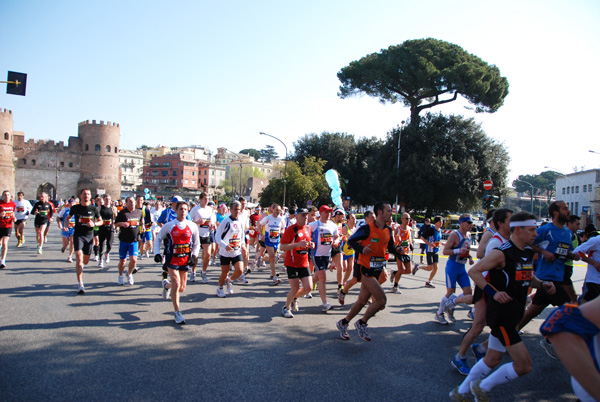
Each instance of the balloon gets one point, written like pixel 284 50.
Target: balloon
pixel 146 190
pixel 337 201
pixel 336 192
pixel 331 177
pixel 146 196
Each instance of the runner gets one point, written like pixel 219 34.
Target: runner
pixel 337 260
pixel 43 211
pixel 253 232
pixel 501 220
pixel 230 236
pixel 425 227
pixel 432 237
pixel 23 210
pixel 573 224
pixel 458 247
pixel 129 222
pixel 510 275
pixel 67 229
pixel 589 251
pixel 403 242
pixel 182 246
pixel 371 241
pixel 324 236
pixel 106 231
pixel 7 219
pixel 203 215
pixel 273 225
pixel 87 217
pixel 296 243
pixel 145 230
pixel 347 231
pixel 244 217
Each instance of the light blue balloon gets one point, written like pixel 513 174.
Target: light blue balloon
pixel 147 196
pixel 337 201
pixel 336 192
pixel 332 179
pixel 146 190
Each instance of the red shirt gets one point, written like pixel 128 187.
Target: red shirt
pixel 9 213
pixel 297 257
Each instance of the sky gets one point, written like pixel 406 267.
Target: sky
pixel 215 74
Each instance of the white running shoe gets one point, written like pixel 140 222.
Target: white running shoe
pixel 294 306
pixel 192 276
pixel 204 277
pixel 107 259
pixel 396 290
pixel 325 307
pixel 166 293
pixel 179 318
pixel 121 280
pixel 276 280
pixel 220 292
pixel 130 279
pixel 96 258
pixel 242 279
pixel 286 313
pixel 80 289
pixel 440 319
pixel 100 264
pixel 229 287
pixel 308 296
pixel 69 259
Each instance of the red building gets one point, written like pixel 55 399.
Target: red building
pixel 172 171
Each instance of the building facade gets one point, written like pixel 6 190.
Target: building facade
pixel 581 192
pixel 131 164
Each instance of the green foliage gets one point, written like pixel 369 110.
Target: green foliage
pixel 268 153
pixel 255 153
pixel 443 163
pixel 542 183
pixel 305 182
pixel 423 73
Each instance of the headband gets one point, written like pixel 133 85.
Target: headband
pixel 530 222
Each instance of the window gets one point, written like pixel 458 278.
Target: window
pixel 193 181
pixel 6 136
pixel 178 163
pixel 584 188
pixel 564 190
pixel 33 161
pixel 194 173
pixel 576 209
pixel 174 172
pixel 70 164
pixel 174 182
pixel 62 164
pixel 108 148
pixel 568 190
pixel 154 181
pixel 164 172
pixel 590 188
pixel 572 189
pixel 165 181
pixel 87 147
pixel 24 161
pixel 166 164
pixel 115 149
pixel 577 189
pixel 186 181
pixel 155 163
pixel 155 173
pixel 97 148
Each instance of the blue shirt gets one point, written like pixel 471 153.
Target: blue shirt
pixel 557 241
pixel 169 215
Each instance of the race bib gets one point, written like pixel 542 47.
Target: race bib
pixel 181 250
pixel 326 239
pixel 134 222
pixel 106 222
pixel 562 249
pixel 524 272
pixel 84 220
pixel 234 243
pixel 377 262
pixel 273 234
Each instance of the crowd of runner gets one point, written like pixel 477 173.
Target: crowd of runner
pixel 515 257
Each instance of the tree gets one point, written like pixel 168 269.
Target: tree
pixel 443 163
pixel 305 182
pixel 255 153
pixel 268 153
pixel 424 73
pixel 542 183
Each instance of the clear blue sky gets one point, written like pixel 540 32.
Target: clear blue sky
pixel 217 73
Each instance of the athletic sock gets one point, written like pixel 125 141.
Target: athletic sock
pixel 504 374
pixel 344 321
pixel 395 284
pixel 441 309
pixel 478 371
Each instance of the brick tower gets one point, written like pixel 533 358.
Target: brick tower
pixel 100 158
pixel 7 167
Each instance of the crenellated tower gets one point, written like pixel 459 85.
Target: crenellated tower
pixel 100 157
pixel 7 167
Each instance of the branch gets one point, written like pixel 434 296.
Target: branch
pixel 439 102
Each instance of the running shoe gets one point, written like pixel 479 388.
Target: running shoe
pixel 308 296
pixel 62 249
pixel 295 308
pixel 212 262
pixel 220 292
pixel 100 264
pixel 429 285
pixel 22 241
pixel 548 348
pixel 458 397
pixel 130 279
pixel 479 394
pixel 325 307
pixel 121 280
pixel 2 265
pixel 286 313
pixel 341 297
pixel 192 276
pixel 392 276
pixel 396 290
pixel 96 258
pixel 135 270
pixel 263 264
pixel 242 279
pixel 475 350
pixel 179 318
pixel 451 317
pixel 204 277
pixel 415 268
pixel 19 244
pixel 80 289
pixel 147 254
pixel 461 365
pixel 363 332
pixel 39 251
pixel 471 314
pixel 166 293
pixel 450 304
pixel 69 259
pixel 440 319
pixel 229 285
pixel 343 330
pixel 107 259
pixel 276 280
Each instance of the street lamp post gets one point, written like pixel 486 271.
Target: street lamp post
pixel 526 182
pixel 398 170
pixel 284 166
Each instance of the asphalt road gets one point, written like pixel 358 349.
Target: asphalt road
pixel 120 343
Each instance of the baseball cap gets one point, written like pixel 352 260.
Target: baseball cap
pixel 211 203
pixel 465 219
pixel 338 211
pixel 325 208
pixel 176 199
pixel 590 229
pixel 301 211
